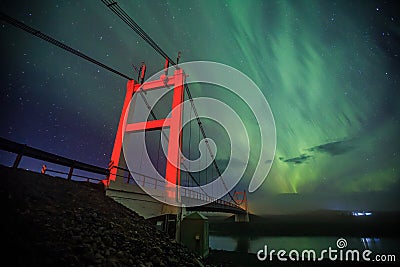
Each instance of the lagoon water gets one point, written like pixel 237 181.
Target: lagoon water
pixel 386 245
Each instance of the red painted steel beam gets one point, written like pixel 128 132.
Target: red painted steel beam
pixel 173 163
pixel 116 153
pixel 157 84
pixel 147 125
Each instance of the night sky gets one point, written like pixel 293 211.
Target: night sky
pixel 329 70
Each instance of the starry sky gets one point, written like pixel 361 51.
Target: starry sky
pixel 329 70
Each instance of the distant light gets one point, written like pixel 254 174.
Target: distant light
pixel 361 213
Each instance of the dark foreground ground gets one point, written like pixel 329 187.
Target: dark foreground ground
pixel 48 221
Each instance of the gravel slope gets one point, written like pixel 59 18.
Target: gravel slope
pixel 48 221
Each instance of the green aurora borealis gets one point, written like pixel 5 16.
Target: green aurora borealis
pixel 329 70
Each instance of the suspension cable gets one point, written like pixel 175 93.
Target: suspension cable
pixel 190 137
pixel 53 41
pixel 113 6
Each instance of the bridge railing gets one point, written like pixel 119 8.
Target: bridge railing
pixel 23 150
pixel 86 178
pixel 157 184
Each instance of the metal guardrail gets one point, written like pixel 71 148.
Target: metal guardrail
pixel 88 179
pixel 23 150
pixel 153 183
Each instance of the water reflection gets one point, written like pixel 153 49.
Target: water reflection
pixel 244 243
pixel 372 244
pixel 222 242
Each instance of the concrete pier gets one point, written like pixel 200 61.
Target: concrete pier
pixel 244 217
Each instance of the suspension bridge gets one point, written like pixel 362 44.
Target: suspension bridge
pixel 179 187
pixel 191 196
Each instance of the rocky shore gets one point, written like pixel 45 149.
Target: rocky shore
pixel 49 221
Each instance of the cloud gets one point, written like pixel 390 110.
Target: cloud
pixel 297 160
pixel 333 148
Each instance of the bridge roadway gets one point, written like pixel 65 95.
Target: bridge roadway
pixel 134 197
pixel 218 207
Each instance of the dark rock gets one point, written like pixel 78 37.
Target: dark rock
pixel 75 224
pixel 77 239
pixel 156 260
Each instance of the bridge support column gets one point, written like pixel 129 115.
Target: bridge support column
pixel 243 217
pixel 179 212
pixel 170 221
